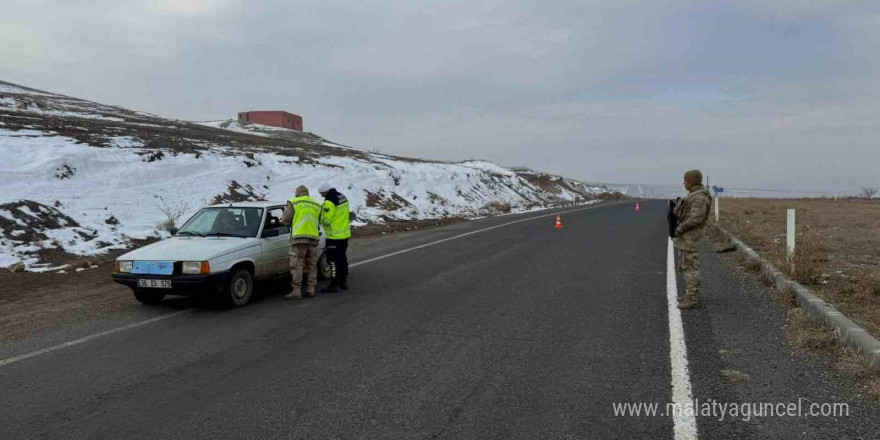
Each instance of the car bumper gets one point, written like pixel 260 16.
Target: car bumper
pixel 180 284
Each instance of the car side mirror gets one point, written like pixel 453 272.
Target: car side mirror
pixel 270 233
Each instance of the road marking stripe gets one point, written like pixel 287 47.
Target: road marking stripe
pixel 181 312
pixel 90 337
pixel 468 233
pixel 685 423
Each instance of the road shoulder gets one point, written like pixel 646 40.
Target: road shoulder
pixel 740 352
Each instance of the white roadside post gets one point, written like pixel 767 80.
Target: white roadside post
pixel 789 235
pixel 717 200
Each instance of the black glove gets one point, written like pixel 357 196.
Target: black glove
pixel 672 219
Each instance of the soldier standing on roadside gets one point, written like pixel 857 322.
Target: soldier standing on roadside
pixel 692 213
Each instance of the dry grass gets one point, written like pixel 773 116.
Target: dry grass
pixel 810 335
pixel 498 207
pixel 838 248
pixel 735 376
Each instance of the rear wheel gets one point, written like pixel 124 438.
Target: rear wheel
pixel 239 288
pixel 323 267
pixel 148 298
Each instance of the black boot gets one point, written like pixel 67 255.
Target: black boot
pixel 343 284
pixel 331 288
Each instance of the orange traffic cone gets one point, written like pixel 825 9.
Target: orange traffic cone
pixel 637 207
pixel 558 221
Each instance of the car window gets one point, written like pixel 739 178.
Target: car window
pixel 225 221
pixel 273 219
pixel 202 221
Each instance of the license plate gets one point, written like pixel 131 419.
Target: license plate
pixel 154 284
pixel 152 267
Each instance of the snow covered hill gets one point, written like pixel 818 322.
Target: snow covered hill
pixel 78 177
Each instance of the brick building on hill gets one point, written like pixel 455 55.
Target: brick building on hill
pixel 275 118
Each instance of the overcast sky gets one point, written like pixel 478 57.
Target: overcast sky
pixel 782 94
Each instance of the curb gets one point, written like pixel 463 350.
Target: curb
pixel 843 328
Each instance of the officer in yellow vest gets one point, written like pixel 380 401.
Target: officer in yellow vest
pixel 336 221
pixel 302 214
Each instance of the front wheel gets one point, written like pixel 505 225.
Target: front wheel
pixel 323 266
pixel 239 288
pixel 149 298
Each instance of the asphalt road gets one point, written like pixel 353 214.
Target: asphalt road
pixel 521 331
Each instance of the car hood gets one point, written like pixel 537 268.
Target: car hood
pixel 190 248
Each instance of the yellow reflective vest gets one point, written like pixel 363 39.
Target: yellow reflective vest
pixel 335 219
pixel 306 217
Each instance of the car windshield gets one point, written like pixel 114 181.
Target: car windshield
pixel 224 222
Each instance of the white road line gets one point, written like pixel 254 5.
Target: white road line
pixel 90 337
pixel 685 421
pixel 171 315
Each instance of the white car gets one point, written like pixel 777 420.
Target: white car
pixel 222 249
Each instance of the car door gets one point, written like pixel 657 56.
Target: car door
pixel 275 248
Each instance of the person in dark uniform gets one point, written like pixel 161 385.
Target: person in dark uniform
pixel 336 221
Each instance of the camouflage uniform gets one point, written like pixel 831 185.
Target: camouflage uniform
pixel 692 213
pixel 303 255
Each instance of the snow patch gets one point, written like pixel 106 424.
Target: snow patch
pixel 11 88
pixel 61 193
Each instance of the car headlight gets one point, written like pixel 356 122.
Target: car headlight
pixel 196 267
pixel 123 266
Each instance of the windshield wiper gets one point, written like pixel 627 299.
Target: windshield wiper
pixel 190 233
pixel 225 234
